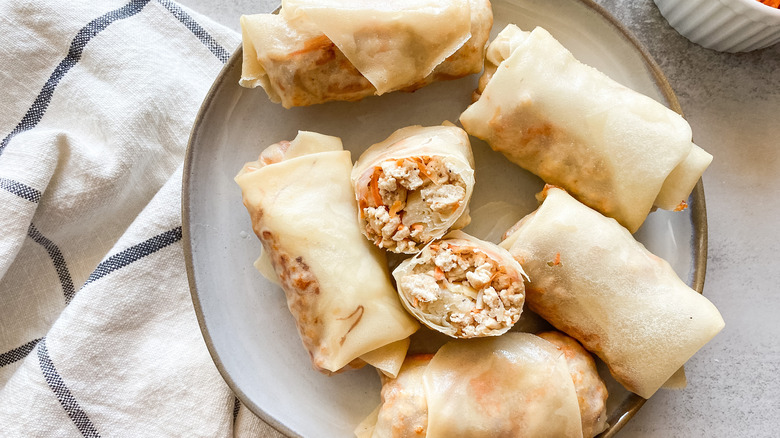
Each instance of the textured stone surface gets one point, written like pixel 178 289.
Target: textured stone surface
pixel 732 101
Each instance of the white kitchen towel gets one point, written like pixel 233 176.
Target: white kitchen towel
pixel 98 336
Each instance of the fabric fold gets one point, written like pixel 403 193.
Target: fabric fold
pixel 98 335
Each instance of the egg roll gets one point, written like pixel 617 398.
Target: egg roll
pixel 590 388
pixel 315 51
pixel 512 385
pixel 515 385
pixel 403 412
pixel 462 286
pixel 593 281
pixel 300 200
pixel 414 186
pixel 616 150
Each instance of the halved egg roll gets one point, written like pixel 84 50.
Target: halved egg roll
pixel 462 286
pixel 299 197
pixel 614 149
pixel 316 51
pixel 414 186
pixel 592 280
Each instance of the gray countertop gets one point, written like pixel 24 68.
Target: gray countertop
pixel 732 101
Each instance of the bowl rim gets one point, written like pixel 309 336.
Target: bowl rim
pixel 629 407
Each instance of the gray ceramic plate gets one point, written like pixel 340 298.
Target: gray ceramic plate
pixel 244 318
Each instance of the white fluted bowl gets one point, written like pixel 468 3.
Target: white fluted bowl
pixel 724 25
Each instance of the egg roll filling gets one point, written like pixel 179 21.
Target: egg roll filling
pixel 395 196
pixel 319 72
pixel 465 288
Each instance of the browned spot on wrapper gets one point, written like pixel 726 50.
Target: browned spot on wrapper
pixel 301 288
pixel 527 138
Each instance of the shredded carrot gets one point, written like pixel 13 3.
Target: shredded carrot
pixel 557 260
pixel 683 205
pixel 422 168
pixel 395 208
pixel 313 44
pixel 438 274
pixel 772 3
pixel 374 184
pixel 455 207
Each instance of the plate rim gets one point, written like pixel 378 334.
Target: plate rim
pixel 698 211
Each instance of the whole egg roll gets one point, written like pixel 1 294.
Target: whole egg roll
pixel 462 286
pixel 512 385
pixel 591 391
pixel 295 63
pixel 414 186
pixel 515 385
pixel 615 150
pixel 299 197
pixel 316 51
pixel 592 280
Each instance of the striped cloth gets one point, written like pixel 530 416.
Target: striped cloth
pixel 98 336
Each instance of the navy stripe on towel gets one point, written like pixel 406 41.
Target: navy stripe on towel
pixel 66 399
pixel 18 353
pixel 105 267
pixel 236 407
pixel 135 252
pixel 59 262
pixel 94 27
pixel 21 190
pixel 220 52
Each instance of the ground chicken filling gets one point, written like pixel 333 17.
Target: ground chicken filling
pixel 463 288
pixel 404 197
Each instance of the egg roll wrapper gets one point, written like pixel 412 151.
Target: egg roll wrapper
pixel 365 429
pixel 389 358
pixel 591 390
pixel 592 280
pixel 611 147
pixel 679 184
pixel 513 385
pixel 295 63
pixel 393 44
pixel 337 285
pixel 677 381
pixel 403 411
